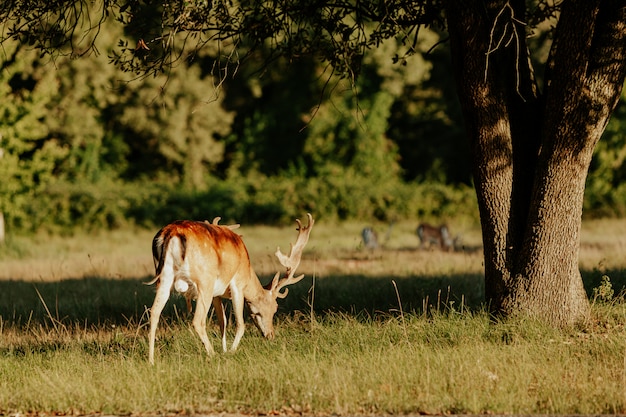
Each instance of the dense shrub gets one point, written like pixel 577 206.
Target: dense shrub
pixel 258 199
pixel 605 202
pixel 65 207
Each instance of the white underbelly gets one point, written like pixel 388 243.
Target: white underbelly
pixel 219 288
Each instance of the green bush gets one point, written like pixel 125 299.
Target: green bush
pixel 603 202
pixel 66 207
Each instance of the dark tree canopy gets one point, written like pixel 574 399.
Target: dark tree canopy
pixel 161 33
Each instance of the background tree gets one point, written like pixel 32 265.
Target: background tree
pixel 350 129
pixel 28 159
pixel 271 105
pixel 86 89
pixel 179 124
pixel 427 125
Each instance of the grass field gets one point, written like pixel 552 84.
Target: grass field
pixel 393 331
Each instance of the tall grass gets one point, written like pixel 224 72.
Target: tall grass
pixel 395 331
pixel 339 364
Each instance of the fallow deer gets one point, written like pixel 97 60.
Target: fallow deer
pixel 435 235
pixel 369 237
pixel 208 262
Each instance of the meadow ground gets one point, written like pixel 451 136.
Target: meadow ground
pixel 397 330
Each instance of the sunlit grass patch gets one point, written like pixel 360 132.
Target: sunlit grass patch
pixel 394 331
pixel 341 364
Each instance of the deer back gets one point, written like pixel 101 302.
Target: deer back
pixel 204 254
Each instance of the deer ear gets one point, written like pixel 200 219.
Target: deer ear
pixel 271 286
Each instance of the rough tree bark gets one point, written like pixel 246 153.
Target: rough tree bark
pixel 531 150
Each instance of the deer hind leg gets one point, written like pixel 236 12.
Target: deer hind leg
pixel 221 319
pixel 203 303
pixel 166 280
pixel 188 301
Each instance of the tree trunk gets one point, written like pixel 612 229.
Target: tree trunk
pixel 531 152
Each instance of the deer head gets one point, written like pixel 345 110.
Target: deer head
pixel 263 309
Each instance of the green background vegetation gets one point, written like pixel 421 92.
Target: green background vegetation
pixel 85 146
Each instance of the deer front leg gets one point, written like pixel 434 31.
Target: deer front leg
pixel 162 295
pixel 203 304
pixel 238 302
pixel 221 319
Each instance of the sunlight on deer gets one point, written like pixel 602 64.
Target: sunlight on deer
pixel 208 262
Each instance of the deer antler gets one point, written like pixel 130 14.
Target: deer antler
pixel 292 261
pixel 216 220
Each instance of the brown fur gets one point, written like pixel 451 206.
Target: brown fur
pixel 214 264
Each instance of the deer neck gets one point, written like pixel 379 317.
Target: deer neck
pixel 253 290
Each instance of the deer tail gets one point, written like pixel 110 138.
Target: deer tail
pixel 168 252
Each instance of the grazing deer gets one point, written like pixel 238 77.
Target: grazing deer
pixel 370 237
pixel 209 262
pixel 435 235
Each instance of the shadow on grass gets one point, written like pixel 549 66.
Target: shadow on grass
pixel 99 301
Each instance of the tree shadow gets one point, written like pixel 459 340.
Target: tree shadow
pixel 97 301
